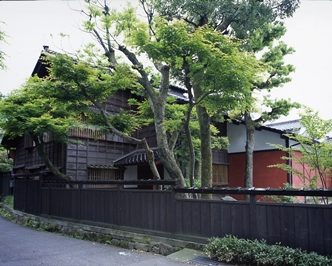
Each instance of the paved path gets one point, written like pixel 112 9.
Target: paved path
pixel 25 246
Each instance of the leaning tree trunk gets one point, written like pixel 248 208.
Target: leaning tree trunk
pixel 157 102
pixel 166 155
pixel 250 145
pixel 112 129
pixel 54 170
pixel 110 53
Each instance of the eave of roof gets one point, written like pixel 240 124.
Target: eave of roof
pixel 135 157
pixel 281 128
pixel 286 126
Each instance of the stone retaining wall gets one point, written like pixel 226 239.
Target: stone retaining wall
pixel 120 238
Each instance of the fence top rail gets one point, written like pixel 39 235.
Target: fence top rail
pixel 258 191
pixel 29 174
pixel 111 182
pixel 216 190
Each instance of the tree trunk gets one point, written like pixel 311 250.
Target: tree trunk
pixel 191 166
pixel 166 155
pixel 205 136
pixel 54 170
pixel 198 168
pixel 112 129
pixel 250 145
pixel 157 102
pixel 151 160
pixel 206 152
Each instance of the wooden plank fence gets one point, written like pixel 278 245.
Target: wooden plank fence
pixel 305 226
pixel 5 188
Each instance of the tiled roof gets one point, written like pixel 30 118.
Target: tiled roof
pixel 286 126
pixel 135 157
pixel 179 93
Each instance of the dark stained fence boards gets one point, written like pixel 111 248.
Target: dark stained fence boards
pixel 305 226
pixel 5 188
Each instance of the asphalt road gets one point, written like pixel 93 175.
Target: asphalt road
pixel 25 246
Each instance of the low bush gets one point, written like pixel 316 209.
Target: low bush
pixel 254 252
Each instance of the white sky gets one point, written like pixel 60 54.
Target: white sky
pixel 29 25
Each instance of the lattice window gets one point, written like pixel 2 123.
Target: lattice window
pixel 104 173
pixel 220 174
pixel 87 132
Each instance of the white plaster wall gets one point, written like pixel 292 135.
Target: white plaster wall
pixel 130 174
pixel 237 139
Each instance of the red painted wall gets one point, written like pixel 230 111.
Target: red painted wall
pixel 263 176
pixel 299 182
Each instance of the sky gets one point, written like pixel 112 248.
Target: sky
pixel 31 24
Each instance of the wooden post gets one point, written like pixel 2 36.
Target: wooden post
pixel 40 194
pixel 25 193
pixel 49 199
pixel 253 217
pixel 117 204
pixel 80 186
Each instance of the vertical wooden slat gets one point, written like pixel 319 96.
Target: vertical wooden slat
pixel 287 225
pixel 261 221
pixel 327 222
pixel 253 217
pixel 205 219
pixel 218 216
pixel 226 219
pixel 237 220
pixel 301 228
pixel 196 218
pixel 186 218
pixel 149 207
pixel 273 225
pixel 316 234
pixel 179 217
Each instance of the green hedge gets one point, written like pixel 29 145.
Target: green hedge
pixel 254 252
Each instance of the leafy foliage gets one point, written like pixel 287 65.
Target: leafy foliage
pixel 313 151
pixel 28 111
pixel 289 199
pixel 265 41
pixel 218 85
pixel 254 252
pixel 6 164
pixel 242 16
pixel 3 37
pixel 228 72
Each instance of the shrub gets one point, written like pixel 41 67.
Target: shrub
pixel 254 252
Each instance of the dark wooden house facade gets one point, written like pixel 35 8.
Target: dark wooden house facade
pixel 92 155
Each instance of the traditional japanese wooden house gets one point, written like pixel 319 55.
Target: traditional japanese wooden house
pixel 92 155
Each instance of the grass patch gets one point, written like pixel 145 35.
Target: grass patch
pixel 9 200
